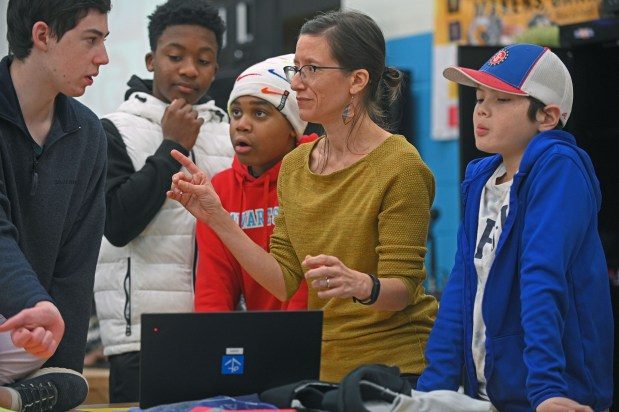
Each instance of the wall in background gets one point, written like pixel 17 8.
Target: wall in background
pixel 397 18
pixel 127 45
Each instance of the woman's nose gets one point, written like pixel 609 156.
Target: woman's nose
pixel 296 83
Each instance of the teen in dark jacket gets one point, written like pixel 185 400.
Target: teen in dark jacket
pixel 52 211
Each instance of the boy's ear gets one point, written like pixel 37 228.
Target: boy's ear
pixel 548 117
pixel 148 59
pixel 41 34
pixel 360 79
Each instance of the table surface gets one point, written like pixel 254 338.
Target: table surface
pixel 106 407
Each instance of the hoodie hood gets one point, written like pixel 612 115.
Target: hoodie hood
pixel 266 184
pixel 137 84
pixel 242 175
pixel 555 140
pixel 483 167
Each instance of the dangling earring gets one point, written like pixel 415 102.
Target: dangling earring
pixel 349 111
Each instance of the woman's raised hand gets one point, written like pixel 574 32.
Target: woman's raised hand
pixel 194 191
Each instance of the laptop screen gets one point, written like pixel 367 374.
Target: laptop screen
pixel 191 356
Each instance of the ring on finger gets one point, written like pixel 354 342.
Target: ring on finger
pixel 327 280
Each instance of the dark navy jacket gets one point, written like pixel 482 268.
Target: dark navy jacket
pixel 52 212
pixel 546 306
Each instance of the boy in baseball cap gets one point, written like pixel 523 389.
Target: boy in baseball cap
pixel 526 316
pixel 264 126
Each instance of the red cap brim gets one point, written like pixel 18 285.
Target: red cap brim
pixel 473 78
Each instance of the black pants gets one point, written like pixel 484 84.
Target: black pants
pixel 125 377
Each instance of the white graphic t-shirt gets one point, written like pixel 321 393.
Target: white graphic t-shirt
pixel 493 208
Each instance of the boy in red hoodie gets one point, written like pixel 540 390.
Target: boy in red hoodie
pixel 264 127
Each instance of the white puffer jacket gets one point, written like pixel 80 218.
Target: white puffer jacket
pixel 154 272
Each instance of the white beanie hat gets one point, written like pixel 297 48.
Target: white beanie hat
pixel 267 80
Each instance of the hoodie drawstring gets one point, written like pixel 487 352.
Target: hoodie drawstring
pixel 265 197
pixel 241 202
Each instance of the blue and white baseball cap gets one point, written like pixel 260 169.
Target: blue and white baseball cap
pixel 525 70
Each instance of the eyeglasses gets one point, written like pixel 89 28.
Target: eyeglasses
pixel 308 72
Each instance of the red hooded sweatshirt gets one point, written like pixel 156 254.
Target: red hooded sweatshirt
pixel 252 203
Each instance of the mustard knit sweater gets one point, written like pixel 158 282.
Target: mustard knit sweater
pixel 373 216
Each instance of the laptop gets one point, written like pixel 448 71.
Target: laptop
pixel 192 356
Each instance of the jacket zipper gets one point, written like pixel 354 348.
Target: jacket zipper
pixel 35 164
pixel 195 242
pixel 35 175
pixel 127 286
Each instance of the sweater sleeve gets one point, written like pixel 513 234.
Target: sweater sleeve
pixel 218 281
pixel 19 284
pixel 133 198
pixel 559 195
pixel 280 247
pixel 73 277
pixel 403 223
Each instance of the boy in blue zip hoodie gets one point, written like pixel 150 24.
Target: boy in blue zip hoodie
pixel 526 316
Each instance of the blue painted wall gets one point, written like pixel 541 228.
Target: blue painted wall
pixel 414 53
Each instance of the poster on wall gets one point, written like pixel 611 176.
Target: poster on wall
pixel 492 22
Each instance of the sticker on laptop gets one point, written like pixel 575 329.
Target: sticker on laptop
pixel 234 351
pixel 233 362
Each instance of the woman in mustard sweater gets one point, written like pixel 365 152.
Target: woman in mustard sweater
pixel 354 206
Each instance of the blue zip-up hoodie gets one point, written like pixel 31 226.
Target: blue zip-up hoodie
pixel 546 306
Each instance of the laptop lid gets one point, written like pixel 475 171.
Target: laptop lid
pixel 191 356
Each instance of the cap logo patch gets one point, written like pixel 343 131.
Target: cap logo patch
pixel 498 58
pixel 284 95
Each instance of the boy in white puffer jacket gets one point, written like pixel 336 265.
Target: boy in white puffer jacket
pixel 147 257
